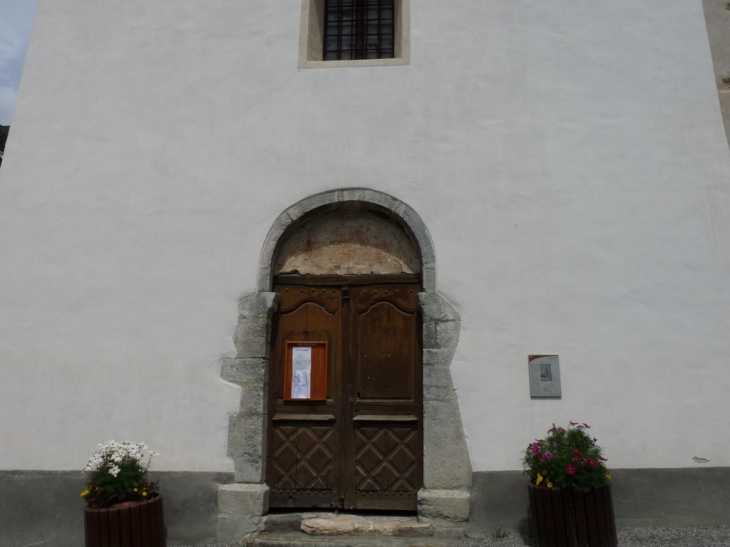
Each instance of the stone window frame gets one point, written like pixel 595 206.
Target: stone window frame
pixel 311 34
pixel 445 498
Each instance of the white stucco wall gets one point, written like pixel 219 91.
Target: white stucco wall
pixel 568 159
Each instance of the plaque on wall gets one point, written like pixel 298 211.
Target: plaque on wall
pixel 544 376
pixel 305 371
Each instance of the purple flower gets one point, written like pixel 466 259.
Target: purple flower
pixel 570 469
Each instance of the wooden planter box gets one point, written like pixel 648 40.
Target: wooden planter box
pixel 566 518
pixel 139 525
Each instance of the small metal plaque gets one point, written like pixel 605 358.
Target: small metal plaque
pixel 544 376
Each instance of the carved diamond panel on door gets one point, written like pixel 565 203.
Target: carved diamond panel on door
pixel 302 460
pixel 315 446
pixel 283 468
pixel 386 459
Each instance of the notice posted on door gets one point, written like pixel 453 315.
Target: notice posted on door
pixel 301 375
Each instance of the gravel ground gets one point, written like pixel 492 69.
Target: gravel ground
pixel 718 536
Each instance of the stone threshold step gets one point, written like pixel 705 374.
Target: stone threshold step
pixel 343 524
pixel 305 540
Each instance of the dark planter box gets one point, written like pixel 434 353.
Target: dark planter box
pixel 139 525
pixel 566 518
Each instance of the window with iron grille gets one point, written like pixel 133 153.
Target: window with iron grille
pixel 359 29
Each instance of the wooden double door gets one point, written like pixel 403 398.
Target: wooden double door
pixel 362 447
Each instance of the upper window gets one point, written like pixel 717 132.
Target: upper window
pixel 354 33
pixel 359 29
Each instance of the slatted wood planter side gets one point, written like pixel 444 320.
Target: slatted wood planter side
pixel 138 525
pixel 566 518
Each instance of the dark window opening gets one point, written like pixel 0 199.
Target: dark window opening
pixel 359 29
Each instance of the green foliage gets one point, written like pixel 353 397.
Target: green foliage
pixel 566 458
pixel 116 473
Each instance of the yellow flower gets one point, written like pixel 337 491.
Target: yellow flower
pixel 144 494
pixel 135 489
pixel 544 472
pixel 608 476
pixel 84 493
pixel 539 480
pixel 549 484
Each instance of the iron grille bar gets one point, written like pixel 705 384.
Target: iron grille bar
pixel 359 29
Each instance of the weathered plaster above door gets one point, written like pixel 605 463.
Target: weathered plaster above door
pixel 348 241
pixel 370 200
pixel 445 498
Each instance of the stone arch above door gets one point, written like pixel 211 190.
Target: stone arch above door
pixel 350 240
pixel 369 200
pixel 445 497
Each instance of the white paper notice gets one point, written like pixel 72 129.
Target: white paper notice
pixel 545 376
pixel 301 372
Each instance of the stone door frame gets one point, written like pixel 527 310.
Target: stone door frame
pixel 446 493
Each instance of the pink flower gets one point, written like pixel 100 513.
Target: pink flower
pixel 602 459
pixel 591 462
pixel 570 469
pixel 535 448
pixel 547 456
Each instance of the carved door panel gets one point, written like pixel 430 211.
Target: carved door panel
pixel 304 462
pixel 384 366
pixel 362 447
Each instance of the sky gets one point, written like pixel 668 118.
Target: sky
pixel 16 20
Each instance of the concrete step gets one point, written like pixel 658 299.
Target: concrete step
pixel 282 523
pixel 305 540
pixel 339 524
pixel 328 524
pixel 324 529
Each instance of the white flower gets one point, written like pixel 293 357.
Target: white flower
pixel 111 455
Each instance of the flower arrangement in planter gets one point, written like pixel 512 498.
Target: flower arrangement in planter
pixel 118 474
pixel 123 507
pixel 570 490
pixel 566 458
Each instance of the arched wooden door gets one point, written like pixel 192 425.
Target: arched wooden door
pixel 361 448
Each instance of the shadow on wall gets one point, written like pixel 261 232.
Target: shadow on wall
pixel 44 507
pixel 4 130
pixel 641 498
pixel 717 18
